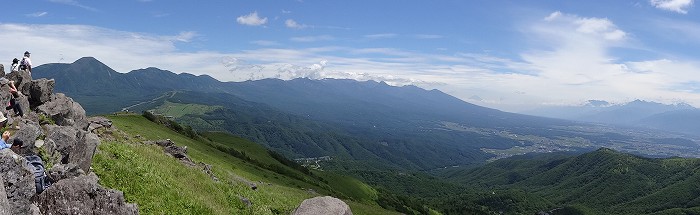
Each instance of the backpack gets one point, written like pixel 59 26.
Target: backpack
pixel 22 65
pixel 40 179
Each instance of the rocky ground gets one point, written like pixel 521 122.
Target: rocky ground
pixel 63 133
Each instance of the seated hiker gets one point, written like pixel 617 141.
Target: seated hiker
pixel 15 65
pixel 3 140
pixel 13 102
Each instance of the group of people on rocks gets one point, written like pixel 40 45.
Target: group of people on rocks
pixel 17 66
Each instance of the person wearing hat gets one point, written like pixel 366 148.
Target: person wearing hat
pixel 26 63
pixel 15 65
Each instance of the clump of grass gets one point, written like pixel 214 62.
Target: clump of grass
pixel 44 120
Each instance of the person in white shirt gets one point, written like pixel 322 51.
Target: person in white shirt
pixel 15 65
pixel 26 63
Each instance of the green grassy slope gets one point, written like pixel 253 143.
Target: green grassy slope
pixel 160 184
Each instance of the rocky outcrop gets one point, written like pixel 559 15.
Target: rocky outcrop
pixel 82 195
pixel 325 205
pixel 4 204
pixel 19 181
pixel 38 91
pixel 57 124
pixel 60 171
pixel 28 133
pixel 20 78
pixel 68 145
pixel 64 111
pixel 98 122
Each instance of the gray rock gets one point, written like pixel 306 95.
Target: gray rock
pixel 60 171
pixel 246 201
pixel 21 78
pixel 2 70
pixel 165 143
pixel 84 150
pixel 59 143
pixel 34 209
pixel 68 145
pixel 64 111
pixel 98 122
pixel 19 181
pixel 4 203
pixel 38 91
pixel 176 151
pixel 325 205
pixel 81 195
pixel 28 133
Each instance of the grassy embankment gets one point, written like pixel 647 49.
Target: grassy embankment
pixel 160 184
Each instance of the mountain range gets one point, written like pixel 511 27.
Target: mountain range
pixel 681 117
pixel 387 136
pixel 368 122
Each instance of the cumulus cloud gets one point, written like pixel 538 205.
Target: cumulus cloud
pixel 598 27
pixel 251 19
pixel 678 6
pixel 290 23
pixel 38 14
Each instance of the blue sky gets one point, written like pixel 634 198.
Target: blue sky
pixel 511 55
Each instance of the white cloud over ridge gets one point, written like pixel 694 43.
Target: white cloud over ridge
pixel 574 64
pixel 678 6
pixel 251 19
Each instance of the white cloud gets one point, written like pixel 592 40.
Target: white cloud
pixel 290 23
pixel 185 36
pixel 38 14
pixel 597 27
pixel 678 6
pixel 265 43
pixel 312 38
pixel 381 36
pixel 571 62
pixel 251 19
pixel 74 3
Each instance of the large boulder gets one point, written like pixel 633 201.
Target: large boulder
pixel 64 111
pixel 68 145
pixel 82 195
pixel 28 133
pixel 38 91
pixel 324 205
pixel 21 78
pixel 19 182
